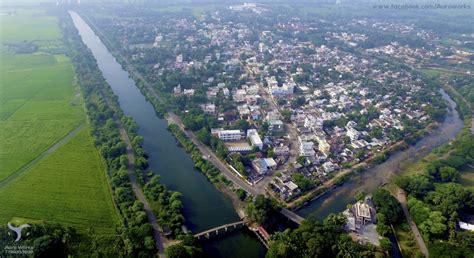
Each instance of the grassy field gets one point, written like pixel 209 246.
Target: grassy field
pixel 66 186
pixel 37 27
pixel 39 105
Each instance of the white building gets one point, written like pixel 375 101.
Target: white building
pixel 255 139
pixel 307 149
pixel 229 135
pixel 353 134
pixel 179 58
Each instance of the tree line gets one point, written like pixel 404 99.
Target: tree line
pixel 134 235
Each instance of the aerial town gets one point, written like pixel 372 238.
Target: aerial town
pixel 210 128
pixel 290 112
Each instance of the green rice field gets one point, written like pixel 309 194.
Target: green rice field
pixel 40 106
pixel 68 186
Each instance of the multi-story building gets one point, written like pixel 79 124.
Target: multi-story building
pixel 230 135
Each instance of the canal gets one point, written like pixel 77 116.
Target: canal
pixel 337 199
pixel 204 206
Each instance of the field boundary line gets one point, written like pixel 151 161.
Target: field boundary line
pixel 6 181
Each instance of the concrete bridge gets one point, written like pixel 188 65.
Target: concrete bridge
pixel 292 216
pixel 224 229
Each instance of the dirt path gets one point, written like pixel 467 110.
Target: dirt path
pixel 401 197
pixel 136 187
pixel 51 149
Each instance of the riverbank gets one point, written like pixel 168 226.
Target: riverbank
pixel 210 171
pixel 150 94
pixel 344 175
pixel 381 174
pixel 204 205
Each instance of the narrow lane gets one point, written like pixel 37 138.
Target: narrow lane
pixel 401 197
pixel 137 189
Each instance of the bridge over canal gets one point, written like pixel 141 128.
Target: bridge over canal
pixel 213 232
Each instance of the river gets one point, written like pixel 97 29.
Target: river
pixel 204 206
pixel 336 200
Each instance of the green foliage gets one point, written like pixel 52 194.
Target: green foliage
pixel 166 204
pixel 189 247
pixel 303 182
pixel 448 249
pixel 200 163
pixel 360 195
pixel 242 194
pixel 417 185
pixel 419 211
pixel 261 209
pixel 316 239
pixel 387 205
pixel 450 198
pixel 434 225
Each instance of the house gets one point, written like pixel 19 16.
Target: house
pixel 270 162
pixel 281 150
pixel 188 92
pixel 177 89
pixel 324 147
pixel 329 167
pixel 360 214
pixel 209 108
pixel 286 89
pixel 275 126
pixel 353 134
pixel 260 166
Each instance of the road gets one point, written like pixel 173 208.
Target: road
pixel 173 118
pixel 211 157
pixel 401 197
pixel 41 156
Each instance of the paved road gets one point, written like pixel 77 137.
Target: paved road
pixel 253 190
pixel 209 154
pixel 230 175
pixel 401 197
pixel 41 156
